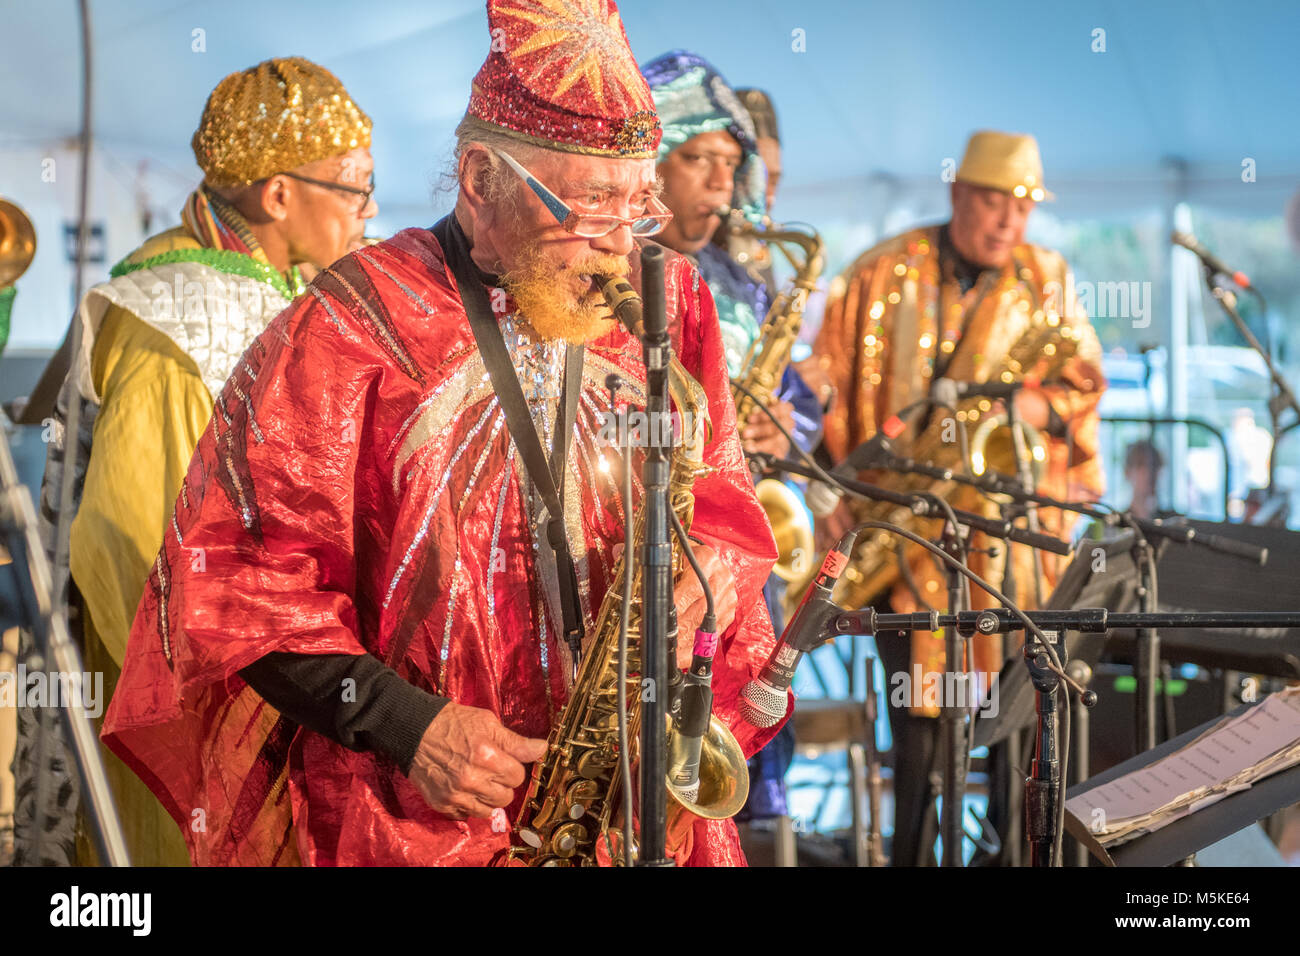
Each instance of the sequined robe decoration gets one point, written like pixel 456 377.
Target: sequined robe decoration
pixel 359 492
pixel 742 301
pixel 879 341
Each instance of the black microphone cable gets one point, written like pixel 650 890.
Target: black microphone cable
pixel 613 383
pixel 1054 659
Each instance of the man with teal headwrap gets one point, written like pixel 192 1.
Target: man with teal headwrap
pixel 708 159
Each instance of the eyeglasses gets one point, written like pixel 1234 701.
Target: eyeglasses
pixel 365 194
pixel 591 225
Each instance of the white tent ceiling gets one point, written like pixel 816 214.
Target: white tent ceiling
pixel 885 90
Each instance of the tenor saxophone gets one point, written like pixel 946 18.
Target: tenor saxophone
pixel 760 376
pixel 574 801
pixel 876 565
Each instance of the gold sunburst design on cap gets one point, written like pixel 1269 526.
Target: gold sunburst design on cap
pixel 582 40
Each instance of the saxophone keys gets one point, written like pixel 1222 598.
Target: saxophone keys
pixel 579 796
pixel 593 764
pixel 567 839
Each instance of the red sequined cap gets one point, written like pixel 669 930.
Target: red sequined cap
pixel 560 73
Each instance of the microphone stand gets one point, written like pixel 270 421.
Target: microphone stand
pixel 1046 758
pixel 1043 786
pixel 922 504
pixel 1150 527
pixel 952 715
pixel 656 566
pixel 1026 477
pixel 1283 396
pixel 1146 659
pixel 1146 655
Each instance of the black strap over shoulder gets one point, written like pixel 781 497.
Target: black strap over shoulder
pixel 505 381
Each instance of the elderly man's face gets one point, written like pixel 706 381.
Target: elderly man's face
pixel 699 176
pixel 323 224
pixel 548 270
pixel 987 224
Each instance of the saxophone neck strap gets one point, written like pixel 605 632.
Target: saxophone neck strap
pixel 547 477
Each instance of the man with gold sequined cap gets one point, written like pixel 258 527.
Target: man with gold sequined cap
pixel 950 302
pixel 287 183
pixel 408 494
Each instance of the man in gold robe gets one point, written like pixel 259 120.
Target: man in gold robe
pixel 287 169
pixel 952 301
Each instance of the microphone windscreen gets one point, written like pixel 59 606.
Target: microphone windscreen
pixel 821 498
pixel 944 392
pixel 761 704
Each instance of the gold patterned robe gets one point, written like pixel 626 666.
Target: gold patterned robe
pixel 890 317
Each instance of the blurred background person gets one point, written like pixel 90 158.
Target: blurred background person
pixel 287 171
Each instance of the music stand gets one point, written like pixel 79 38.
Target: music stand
pixel 1196 831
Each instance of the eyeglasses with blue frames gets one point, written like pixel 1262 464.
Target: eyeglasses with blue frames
pixel 590 225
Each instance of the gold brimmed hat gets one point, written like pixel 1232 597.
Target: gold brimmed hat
pixel 274 117
pixel 1008 162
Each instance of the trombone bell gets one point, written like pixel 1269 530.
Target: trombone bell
pixel 17 243
pixel 790 526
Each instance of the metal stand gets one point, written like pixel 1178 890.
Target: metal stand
pixel 875 841
pixel 1282 396
pixel 656 568
pixel 1042 790
pixel 1080 738
pixel 25 601
pixel 1146 659
pixel 952 715
pixel 1043 786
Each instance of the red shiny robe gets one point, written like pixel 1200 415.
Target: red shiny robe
pixel 357 491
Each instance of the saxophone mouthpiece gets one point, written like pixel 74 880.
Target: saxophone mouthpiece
pixel 623 301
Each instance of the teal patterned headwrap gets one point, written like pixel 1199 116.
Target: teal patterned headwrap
pixel 691 98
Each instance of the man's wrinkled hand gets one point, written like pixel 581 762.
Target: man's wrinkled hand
pixel 468 764
pixel 689 598
pixel 760 434
pixel 1033 407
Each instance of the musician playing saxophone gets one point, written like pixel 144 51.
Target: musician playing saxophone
pixel 362 626
pixel 949 301
pixel 709 158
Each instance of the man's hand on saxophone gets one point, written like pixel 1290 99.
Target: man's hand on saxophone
pixel 760 433
pixel 468 764
pixel 1033 408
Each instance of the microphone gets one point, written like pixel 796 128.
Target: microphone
pixel 691 719
pixel 821 498
pixel 1213 262
pixel 763 700
pixel 947 392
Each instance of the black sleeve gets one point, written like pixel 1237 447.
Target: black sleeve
pixel 353 699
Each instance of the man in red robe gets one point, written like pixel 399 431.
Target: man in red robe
pixel 351 644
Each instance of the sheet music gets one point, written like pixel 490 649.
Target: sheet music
pixel 1225 759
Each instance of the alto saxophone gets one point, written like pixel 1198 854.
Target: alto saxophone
pixel 760 375
pixel 573 803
